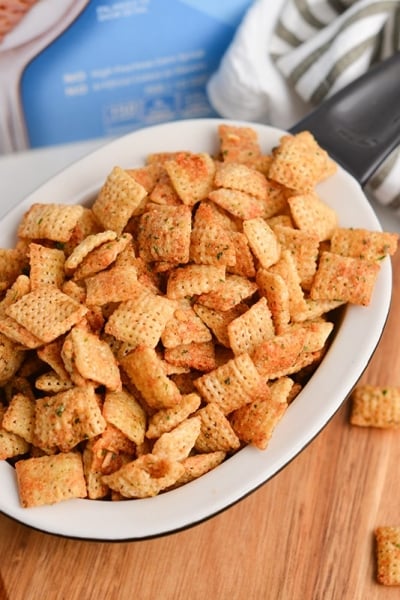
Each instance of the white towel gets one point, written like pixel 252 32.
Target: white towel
pixel 289 55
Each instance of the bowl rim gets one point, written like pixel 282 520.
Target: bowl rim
pixel 179 509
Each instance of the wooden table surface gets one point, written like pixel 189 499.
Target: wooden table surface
pixel 305 535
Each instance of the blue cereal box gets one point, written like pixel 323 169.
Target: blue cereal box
pixel 74 70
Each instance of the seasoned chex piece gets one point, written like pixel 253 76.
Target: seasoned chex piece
pixel 50 479
pixel 110 450
pixel 11 358
pixel 344 278
pixel 229 293
pixel 67 418
pixel 122 410
pixel 68 358
pixel 192 176
pixel 311 214
pixel 46 312
pixel 212 245
pixel 94 359
pixel 164 234
pixel 101 257
pixel 118 200
pixel 286 267
pixel 51 382
pixel 11 444
pixel 46 266
pixel 375 406
pixel 318 332
pixel 231 385
pixel 255 422
pixel 50 222
pixel 141 319
pixel 218 320
pixel 275 289
pixel 263 241
pixel 199 464
pixel 304 247
pixel 160 158
pixel 244 259
pixel 208 213
pixel 388 555
pixel 19 288
pixel 19 417
pixel 95 487
pixel 178 443
pixel 316 308
pixel 168 418
pixel 147 176
pixel 87 245
pixel 145 477
pixel 194 279
pixel 276 201
pixel 216 433
pixel 238 144
pixel 300 163
pixel 18 334
pixel 282 389
pixel 86 226
pixel 164 193
pixel 276 356
pixel 12 262
pixel 361 243
pixel 116 284
pixel 196 355
pixel 237 203
pixel 247 331
pixel 236 176
pixel 183 328
pixel 147 372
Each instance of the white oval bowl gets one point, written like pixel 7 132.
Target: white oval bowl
pixel 344 363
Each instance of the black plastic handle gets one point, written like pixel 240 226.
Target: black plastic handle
pixel 360 125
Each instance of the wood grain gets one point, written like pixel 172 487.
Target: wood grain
pixel 305 535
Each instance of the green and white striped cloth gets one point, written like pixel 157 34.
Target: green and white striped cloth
pixel 316 47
